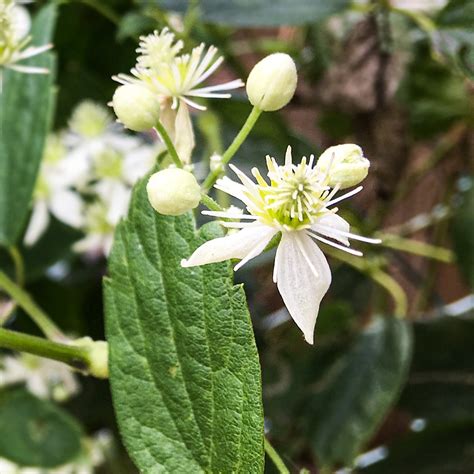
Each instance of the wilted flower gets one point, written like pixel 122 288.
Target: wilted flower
pixel 299 203
pixel 176 80
pixel 14 40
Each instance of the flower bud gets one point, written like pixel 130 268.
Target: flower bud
pixel 136 107
pixel 345 164
pixel 97 355
pixel 272 82
pixel 173 191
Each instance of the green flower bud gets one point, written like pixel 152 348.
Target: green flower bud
pixel 346 165
pixel 136 107
pixel 173 191
pixel 272 82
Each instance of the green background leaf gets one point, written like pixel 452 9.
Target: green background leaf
pixel 36 432
pixel 354 395
pixel 185 373
pixel 260 12
pixel 26 103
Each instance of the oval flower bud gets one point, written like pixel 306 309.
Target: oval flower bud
pixel 272 82
pixel 173 191
pixel 346 165
pixel 136 107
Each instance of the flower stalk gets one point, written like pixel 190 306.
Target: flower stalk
pixel 24 300
pixel 275 457
pixel 169 144
pixel 234 146
pixel 79 358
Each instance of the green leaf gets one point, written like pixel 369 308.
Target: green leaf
pixel 26 104
pixel 36 432
pixel 259 12
pixel 356 392
pixel 185 373
pixel 463 235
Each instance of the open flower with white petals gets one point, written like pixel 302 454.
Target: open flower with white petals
pixel 176 80
pixel 299 203
pixel 14 39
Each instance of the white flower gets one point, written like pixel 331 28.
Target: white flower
pixel 45 378
pixel 53 193
pixel 14 40
pixel 298 203
pixel 176 80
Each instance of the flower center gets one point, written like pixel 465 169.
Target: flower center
pixel 90 120
pixel 108 164
pixel 296 196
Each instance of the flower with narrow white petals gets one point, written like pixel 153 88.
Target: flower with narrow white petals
pixel 14 39
pixel 298 203
pixel 177 79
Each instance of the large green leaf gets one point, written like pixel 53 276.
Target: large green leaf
pixel 355 394
pixel 36 432
pixel 463 235
pixel 185 373
pixel 26 102
pixel 259 12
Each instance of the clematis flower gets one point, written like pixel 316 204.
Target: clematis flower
pixel 14 39
pixel 176 80
pixel 299 204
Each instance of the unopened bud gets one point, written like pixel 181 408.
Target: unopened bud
pixel 345 164
pixel 173 191
pixel 136 107
pixel 272 82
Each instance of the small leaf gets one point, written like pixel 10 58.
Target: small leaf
pixel 259 12
pixel 36 432
pixel 26 103
pixel 357 391
pixel 185 373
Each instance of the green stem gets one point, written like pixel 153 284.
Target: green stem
pixel 75 356
pixel 18 263
pixel 234 146
pixel 210 203
pixel 24 300
pixel 169 144
pixel 275 457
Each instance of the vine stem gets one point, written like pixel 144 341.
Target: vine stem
pixel 275 457
pixel 234 146
pixel 74 356
pixel 169 144
pixel 103 9
pixel 24 300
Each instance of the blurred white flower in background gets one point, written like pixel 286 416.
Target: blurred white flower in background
pixel 44 378
pixel 176 79
pixel 86 178
pixel 15 25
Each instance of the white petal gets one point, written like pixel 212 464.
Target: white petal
pixel 38 223
pixel 245 244
pixel 303 278
pixel 184 134
pixel 137 163
pixel 68 207
pixel 330 224
pixel 117 196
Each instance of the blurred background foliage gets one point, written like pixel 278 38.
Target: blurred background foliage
pixel 399 82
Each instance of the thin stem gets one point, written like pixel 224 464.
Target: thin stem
pixel 18 263
pixel 210 203
pixel 75 356
pixel 275 457
pixel 234 146
pixel 169 144
pixel 24 300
